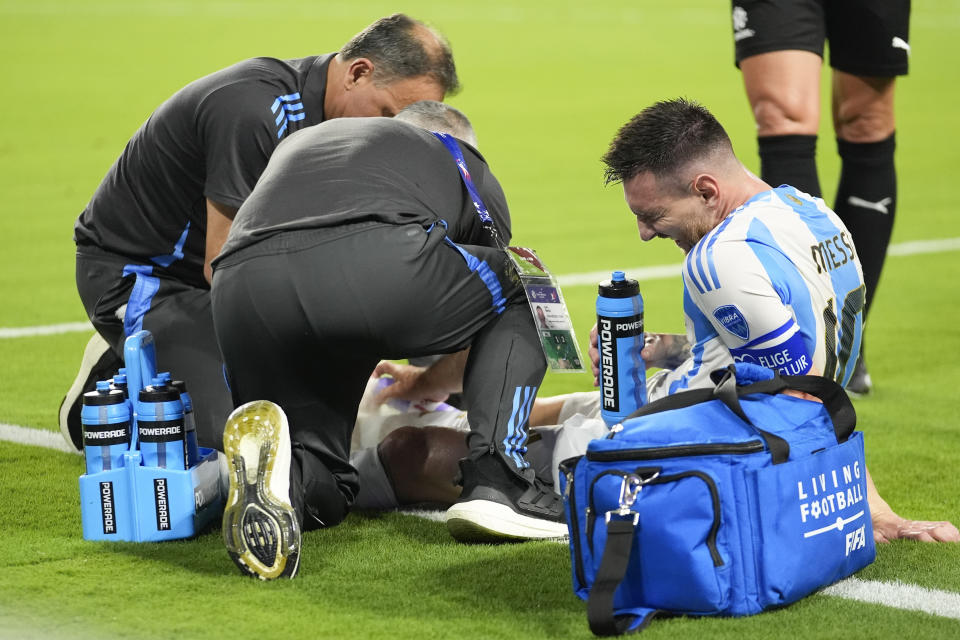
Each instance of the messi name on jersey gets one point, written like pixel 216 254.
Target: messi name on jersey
pixel 832 253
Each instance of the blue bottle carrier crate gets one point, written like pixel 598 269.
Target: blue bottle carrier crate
pixel 139 503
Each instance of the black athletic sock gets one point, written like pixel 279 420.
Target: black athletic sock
pixel 867 201
pixel 790 160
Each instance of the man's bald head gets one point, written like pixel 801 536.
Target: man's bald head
pixel 401 47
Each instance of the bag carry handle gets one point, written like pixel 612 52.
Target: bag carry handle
pixel 834 398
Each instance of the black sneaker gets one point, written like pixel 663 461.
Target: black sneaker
pixel 860 383
pixel 99 363
pixel 498 506
pixel 260 527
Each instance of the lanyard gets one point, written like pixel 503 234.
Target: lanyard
pixel 451 144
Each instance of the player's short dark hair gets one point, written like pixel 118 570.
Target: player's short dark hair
pixel 662 138
pixel 397 48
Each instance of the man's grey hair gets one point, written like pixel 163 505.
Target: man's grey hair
pixel 438 116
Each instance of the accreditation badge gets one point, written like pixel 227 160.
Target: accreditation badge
pixel 549 311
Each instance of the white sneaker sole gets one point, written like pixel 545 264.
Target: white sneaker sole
pixel 92 353
pixel 488 521
pixel 260 528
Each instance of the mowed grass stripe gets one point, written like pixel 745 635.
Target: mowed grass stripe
pixel 588 278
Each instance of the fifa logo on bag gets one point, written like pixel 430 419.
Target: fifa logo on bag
pixel 856 539
pixel 826 496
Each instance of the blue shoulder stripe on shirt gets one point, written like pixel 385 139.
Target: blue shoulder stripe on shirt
pixel 699 261
pixel 789 324
pixel 711 263
pixel 688 264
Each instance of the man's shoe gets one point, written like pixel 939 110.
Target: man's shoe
pixel 497 505
pixel 99 363
pixel 860 383
pixel 260 527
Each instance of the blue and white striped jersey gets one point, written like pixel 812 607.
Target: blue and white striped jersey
pixel 777 283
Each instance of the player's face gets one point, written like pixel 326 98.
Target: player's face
pixel 667 211
pixel 367 99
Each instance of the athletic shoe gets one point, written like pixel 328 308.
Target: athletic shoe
pixel 260 527
pixel 497 505
pixel 99 363
pixel 860 383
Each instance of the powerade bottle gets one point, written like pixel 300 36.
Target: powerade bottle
pixel 189 423
pixel 160 426
pixel 623 373
pixel 105 417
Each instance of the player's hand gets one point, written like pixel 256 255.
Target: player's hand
pixel 410 383
pixel 594 353
pixel 888 526
pixel 660 350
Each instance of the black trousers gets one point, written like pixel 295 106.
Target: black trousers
pixel 176 313
pixel 302 319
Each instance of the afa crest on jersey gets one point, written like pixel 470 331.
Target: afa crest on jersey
pixel 732 320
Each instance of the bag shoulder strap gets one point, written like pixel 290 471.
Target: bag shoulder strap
pixel 613 567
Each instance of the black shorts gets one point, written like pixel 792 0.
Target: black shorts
pixel 867 37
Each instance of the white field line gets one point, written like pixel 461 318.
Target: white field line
pixel 36 437
pixel 899 596
pixel 591 278
pixel 44 330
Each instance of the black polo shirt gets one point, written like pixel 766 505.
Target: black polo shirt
pixel 352 170
pixel 211 139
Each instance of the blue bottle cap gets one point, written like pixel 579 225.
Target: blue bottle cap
pixel 103 395
pixel 618 276
pixel 120 378
pixel 164 377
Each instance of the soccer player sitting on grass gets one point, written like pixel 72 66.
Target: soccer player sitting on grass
pixel 771 276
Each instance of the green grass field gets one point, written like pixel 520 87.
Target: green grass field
pixel 546 85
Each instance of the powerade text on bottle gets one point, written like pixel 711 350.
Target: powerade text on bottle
pixel 160 426
pixel 105 417
pixel 623 376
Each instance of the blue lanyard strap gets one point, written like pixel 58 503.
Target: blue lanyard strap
pixel 451 144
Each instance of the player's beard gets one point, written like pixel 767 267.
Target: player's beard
pixel 692 234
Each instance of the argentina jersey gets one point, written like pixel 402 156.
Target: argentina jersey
pixel 778 283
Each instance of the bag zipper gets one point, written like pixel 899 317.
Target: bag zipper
pixel 566 467
pixel 715 498
pixel 678 451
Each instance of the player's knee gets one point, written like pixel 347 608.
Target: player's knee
pixel 863 107
pixel 781 116
pixel 863 125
